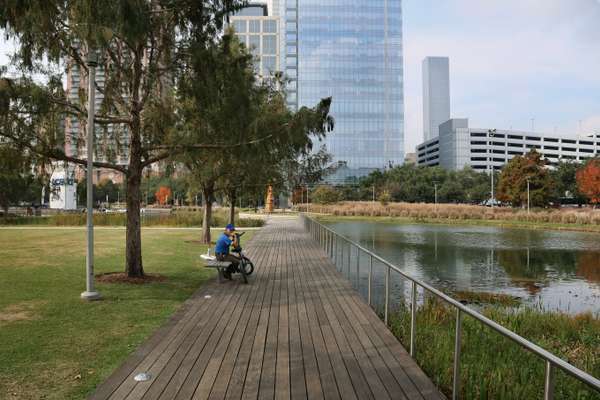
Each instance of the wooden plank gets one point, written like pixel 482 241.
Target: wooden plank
pixel 297 373
pixel 335 369
pixel 282 367
pixel 219 389
pixel 236 385
pixel 236 324
pixel 408 375
pixel 298 331
pixel 314 389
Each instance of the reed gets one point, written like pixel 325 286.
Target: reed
pixel 493 367
pixel 176 219
pixel 457 212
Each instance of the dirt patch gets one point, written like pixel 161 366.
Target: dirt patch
pixel 121 277
pixel 24 311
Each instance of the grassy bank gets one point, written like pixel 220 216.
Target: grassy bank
pixel 178 219
pixel 493 367
pixel 55 346
pixel 587 220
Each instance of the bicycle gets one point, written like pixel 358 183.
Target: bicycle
pixel 245 267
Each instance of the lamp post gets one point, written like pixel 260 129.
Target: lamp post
pixel 90 293
pixel 435 194
pixel 491 133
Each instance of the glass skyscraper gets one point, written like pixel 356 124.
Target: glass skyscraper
pixel 350 50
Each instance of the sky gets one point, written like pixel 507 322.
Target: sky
pixel 511 61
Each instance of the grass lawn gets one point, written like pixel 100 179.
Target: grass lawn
pixel 54 345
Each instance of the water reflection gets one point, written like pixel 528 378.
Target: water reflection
pixel 557 270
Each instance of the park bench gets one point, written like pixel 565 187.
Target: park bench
pixel 220 266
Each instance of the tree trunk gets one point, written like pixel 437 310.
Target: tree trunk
pixel 133 239
pixel 5 208
pixel 207 194
pixel 232 206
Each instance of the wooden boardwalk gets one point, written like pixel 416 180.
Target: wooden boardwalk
pixel 297 331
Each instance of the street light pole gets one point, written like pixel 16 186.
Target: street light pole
pixel 90 293
pixel 435 194
pixel 491 133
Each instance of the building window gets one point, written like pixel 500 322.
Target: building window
pixel 254 43
pixel 569 141
pixel 497 144
pixel 478 159
pixel 478 143
pixel 269 44
pixel 478 134
pixel 268 64
pixel 585 142
pixel 569 149
pixel 498 151
pixel 240 26
pixel 534 138
pixel 254 26
pixel 515 144
pixel 515 137
pixel 270 26
pixel 586 150
pixel 551 140
pixel 550 148
pixel 478 151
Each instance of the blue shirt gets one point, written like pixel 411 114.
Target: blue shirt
pixel 223 243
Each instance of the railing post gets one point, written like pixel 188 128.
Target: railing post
pixel 358 269
pixel 549 382
pixel 349 258
pixel 387 295
pixel 413 318
pixel 335 250
pixel 370 278
pixel 457 344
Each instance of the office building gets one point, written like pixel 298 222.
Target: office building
pixel 351 51
pixel 436 95
pixel 260 33
pixel 459 146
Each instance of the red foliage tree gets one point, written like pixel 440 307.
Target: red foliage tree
pixel 163 194
pixel 588 180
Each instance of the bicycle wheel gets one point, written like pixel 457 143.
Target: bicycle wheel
pixel 249 266
pixel 242 270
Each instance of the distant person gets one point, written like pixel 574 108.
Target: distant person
pixel 224 242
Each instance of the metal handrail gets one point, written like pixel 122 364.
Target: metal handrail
pixel 328 238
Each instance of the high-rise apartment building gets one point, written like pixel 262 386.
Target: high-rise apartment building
pixel 111 141
pixel 260 33
pixel 436 95
pixel 352 51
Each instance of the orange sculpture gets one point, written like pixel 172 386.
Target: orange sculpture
pixel 269 203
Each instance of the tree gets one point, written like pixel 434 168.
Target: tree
pixel 163 195
pixel 17 183
pixel 231 107
pixel 588 180
pixel 512 187
pixel 142 45
pixel 565 182
pixel 325 194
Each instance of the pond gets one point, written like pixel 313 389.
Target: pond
pixel 550 270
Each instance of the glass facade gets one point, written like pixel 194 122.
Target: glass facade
pixel 351 51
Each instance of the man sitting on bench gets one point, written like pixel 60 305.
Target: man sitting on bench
pixel 227 239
